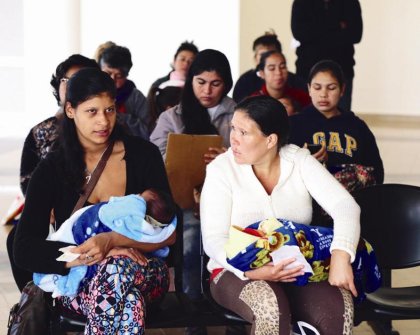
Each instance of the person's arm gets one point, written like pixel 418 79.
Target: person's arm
pixel 341 272
pixel 215 214
pixel 31 251
pixel 371 155
pixel 335 200
pixel 127 237
pixel 28 162
pixel 99 246
pixel 341 206
pixel 164 126
pixel 353 23
pixel 349 24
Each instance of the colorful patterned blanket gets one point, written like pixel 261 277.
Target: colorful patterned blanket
pixel 256 245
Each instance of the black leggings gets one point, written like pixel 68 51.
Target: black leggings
pixel 21 276
pixel 270 307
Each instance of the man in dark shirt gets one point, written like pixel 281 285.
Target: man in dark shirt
pixel 327 29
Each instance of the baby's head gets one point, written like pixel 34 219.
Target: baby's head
pixel 160 205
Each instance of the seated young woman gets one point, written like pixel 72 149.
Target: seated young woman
pixel 346 138
pixel 114 301
pixel 39 142
pixel 183 58
pixel 273 69
pixel 262 176
pixel 204 109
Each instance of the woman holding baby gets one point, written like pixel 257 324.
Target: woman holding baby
pixel 114 300
pixel 259 177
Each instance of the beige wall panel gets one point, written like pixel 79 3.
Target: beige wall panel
pixel 259 16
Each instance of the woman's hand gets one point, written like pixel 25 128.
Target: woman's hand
pixel 341 272
pixel 321 155
pixel 134 254
pixel 277 272
pixel 213 153
pixel 95 249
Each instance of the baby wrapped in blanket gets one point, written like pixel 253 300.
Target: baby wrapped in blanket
pixel 273 239
pixel 130 215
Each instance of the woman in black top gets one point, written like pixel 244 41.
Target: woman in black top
pixel 39 142
pixel 113 301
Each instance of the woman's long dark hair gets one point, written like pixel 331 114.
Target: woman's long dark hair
pixel 83 85
pixel 195 117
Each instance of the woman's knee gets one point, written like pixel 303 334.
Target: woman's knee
pixel 269 306
pixel 118 269
pixel 335 317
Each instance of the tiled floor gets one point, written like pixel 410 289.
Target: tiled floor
pixel 399 143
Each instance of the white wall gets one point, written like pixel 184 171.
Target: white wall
pixel 152 30
pixel 388 59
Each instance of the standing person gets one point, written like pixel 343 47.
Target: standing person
pixel 114 300
pixel 132 107
pixel 251 81
pixel 261 176
pixel 347 139
pixel 39 142
pixel 204 109
pixel 183 58
pixel 327 29
pixel 273 70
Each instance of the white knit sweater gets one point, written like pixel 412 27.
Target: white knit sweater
pixel 232 194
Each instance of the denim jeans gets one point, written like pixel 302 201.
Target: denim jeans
pixel 192 263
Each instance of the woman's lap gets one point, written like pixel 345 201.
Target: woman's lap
pixel 270 306
pixel 328 308
pixel 115 297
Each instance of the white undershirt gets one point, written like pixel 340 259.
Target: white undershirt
pixel 212 112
